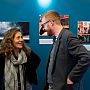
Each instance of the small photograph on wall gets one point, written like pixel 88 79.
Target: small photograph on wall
pixel 42 32
pixel 64 22
pixel 84 31
pixel 24 26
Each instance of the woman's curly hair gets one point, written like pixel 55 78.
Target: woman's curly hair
pixel 6 46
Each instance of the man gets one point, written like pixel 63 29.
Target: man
pixel 68 59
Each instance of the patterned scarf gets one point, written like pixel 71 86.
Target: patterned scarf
pixel 11 78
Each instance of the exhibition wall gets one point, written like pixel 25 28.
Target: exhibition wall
pixel 30 11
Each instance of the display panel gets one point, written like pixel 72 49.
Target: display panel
pixel 24 26
pixel 48 39
pixel 84 31
pixel 64 22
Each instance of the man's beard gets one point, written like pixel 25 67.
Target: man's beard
pixel 50 33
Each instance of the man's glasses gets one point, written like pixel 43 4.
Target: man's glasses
pixel 43 24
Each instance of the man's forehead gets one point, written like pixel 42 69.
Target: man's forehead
pixel 44 20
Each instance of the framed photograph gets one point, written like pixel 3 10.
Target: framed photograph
pixel 64 22
pixel 24 26
pixel 83 31
pixel 42 32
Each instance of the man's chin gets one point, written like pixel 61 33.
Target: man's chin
pixel 49 34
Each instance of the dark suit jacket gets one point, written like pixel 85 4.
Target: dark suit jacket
pixel 71 60
pixel 29 69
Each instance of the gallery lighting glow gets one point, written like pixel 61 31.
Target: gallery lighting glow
pixel 44 3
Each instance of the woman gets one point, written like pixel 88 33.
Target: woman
pixel 18 63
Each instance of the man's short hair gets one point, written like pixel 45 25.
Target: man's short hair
pixel 52 15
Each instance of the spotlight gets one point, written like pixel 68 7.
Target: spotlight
pixel 44 3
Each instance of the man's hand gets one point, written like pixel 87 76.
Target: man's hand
pixel 69 81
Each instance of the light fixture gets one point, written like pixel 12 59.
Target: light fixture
pixel 44 3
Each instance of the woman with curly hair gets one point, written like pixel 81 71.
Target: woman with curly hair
pixel 18 63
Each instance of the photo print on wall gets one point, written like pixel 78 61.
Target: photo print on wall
pixel 84 31
pixel 42 32
pixel 24 26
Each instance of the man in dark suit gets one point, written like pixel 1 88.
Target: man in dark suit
pixel 68 59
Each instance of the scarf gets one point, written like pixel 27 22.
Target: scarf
pixel 11 69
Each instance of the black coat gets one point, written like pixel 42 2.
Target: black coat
pixel 71 60
pixel 29 69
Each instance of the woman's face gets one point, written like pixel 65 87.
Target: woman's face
pixel 18 40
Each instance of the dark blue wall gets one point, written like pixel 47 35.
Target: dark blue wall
pixel 29 10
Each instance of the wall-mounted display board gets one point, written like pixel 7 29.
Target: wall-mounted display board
pixel 24 26
pixel 83 31
pixel 42 32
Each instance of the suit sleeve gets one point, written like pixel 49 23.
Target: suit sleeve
pixel 82 57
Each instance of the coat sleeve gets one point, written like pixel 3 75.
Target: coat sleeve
pixel 31 67
pixel 2 65
pixel 35 60
pixel 81 55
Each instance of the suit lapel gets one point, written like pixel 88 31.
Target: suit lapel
pixel 57 46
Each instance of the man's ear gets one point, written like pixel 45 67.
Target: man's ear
pixel 52 22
